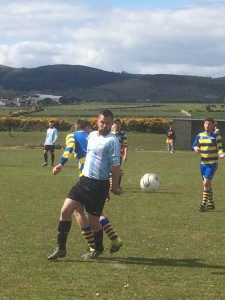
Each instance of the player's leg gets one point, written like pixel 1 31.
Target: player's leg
pixel 172 147
pixel 207 172
pixel 96 194
pixel 64 227
pixel 85 227
pixel 52 152
pixel 112 235
pixel 98 236
pixel 210 203
pixel 168 146
pixel 45 156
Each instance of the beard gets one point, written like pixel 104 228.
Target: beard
pixel 104 132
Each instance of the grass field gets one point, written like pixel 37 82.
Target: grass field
pixel 170 251
pixel 125 110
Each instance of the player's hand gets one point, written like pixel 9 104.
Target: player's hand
pixel 57 169
pixel 117 191
pixel 197 149
pixel 222 155
pixel 107 198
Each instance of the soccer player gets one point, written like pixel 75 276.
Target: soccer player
pixel 209 144
pixel 92 188
pixel 49 145
pixel 171 136
pixel 122 138
pixel 76 143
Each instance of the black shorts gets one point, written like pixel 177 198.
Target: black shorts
pixel 92 193
pixel 50 148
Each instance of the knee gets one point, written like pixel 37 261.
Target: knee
pixel 65 214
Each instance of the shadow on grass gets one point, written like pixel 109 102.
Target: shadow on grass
pixel 161 191
pixel 218 273
pixel 161 262
pixel 156 262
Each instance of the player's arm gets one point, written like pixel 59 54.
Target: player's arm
pixel 115 166
pixel 125 153
pixel 55 135
pixel 125 148
pixel 70 146
pixel 115 180
pixel 220 146
pixel 195 145
pixel 69 149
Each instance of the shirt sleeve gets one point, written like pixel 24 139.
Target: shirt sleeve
pixel 55 135
pixel 70 147
pixel 195 142
pixel 114 152
pixel 125 143
pixel 219 144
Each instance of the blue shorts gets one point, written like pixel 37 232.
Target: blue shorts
pixel 208 170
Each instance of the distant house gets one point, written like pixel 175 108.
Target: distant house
pixel 42 99
pixel 3 102
pixel 7 102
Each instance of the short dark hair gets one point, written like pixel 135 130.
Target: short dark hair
pixel 209 119
pixel 117 120
pixel 82 124
pixel 106 113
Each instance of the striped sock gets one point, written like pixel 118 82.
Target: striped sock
pixel 107 227
pixel 205 197
pixel 210 200
pixel 89 236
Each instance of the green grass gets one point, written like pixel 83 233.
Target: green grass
pixel 167 111
pixel 171 251
pixel 127 110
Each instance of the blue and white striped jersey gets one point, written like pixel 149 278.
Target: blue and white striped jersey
pixel 103 152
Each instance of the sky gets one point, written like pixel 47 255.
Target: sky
pixel 182 37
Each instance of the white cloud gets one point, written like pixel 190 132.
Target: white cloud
pixel 181 40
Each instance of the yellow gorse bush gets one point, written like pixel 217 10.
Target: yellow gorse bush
pixel 31 124
pixel 154 125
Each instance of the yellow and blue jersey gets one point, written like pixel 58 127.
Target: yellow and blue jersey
pixel 121 136
pixel 76 143
pixel 210 146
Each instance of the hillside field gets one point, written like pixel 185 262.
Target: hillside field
pixel 171 250
pixel 133 110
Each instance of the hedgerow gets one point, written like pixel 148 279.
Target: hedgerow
pixel 152 125
pixel 31 124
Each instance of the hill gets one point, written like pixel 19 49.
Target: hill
pixel 90 83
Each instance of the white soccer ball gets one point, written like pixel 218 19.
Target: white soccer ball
pixel 150 182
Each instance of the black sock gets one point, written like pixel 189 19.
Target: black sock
pixel 98 236
pixel 63 231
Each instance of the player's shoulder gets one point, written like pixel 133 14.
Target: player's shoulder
pixel 70 135
pixel 202 133
pixel 92 135
pixel 113 138
pixel 122 132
